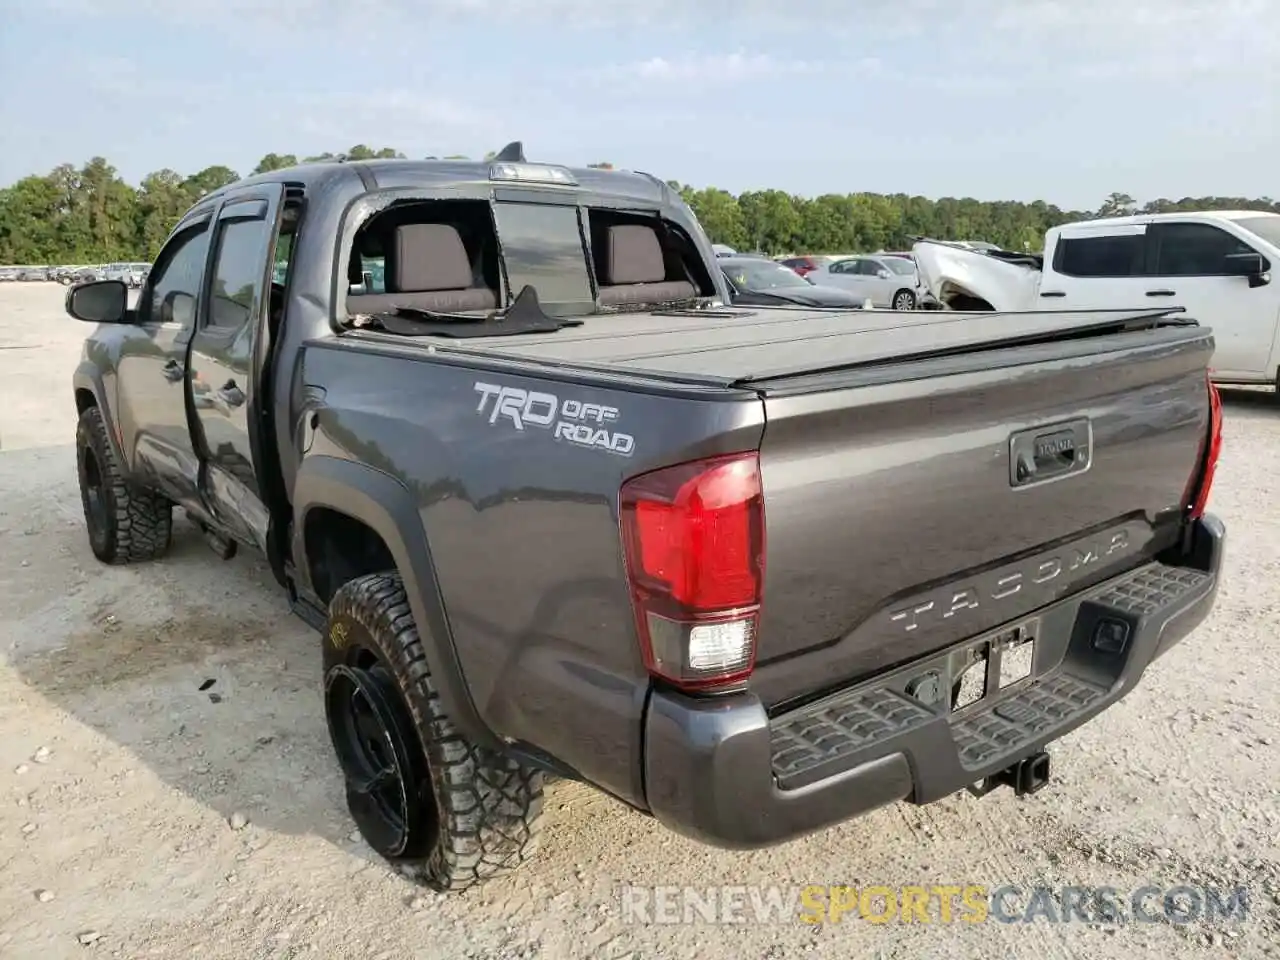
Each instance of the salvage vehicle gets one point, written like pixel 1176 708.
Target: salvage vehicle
pixel 756 282
pixel 555 507
pixel 1216 265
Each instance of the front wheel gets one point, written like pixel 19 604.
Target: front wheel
pixel 904 300
pixel 126 524
pixel 421 794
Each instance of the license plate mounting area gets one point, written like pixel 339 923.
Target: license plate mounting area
pixel 993 664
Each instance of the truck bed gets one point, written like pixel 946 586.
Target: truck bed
pixel 735 346
pixel 888 443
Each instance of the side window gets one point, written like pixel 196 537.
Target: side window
pixel 283 257
pixel 1105 256
pixel 237 272
pixel 175 279
pixel 1194 250
pixel 865 268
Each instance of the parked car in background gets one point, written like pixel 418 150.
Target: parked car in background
pixel 8 274
pixel 804 265
pixel 86 275
pixel 757 282
pixel 130 274
pixel 723 250
pixel 33 274
pixel 886 281
pixel 1216 265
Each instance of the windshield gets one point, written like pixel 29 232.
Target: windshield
pixel 1268 228
pixel 900 265
pixel 764 276
pixel 542 248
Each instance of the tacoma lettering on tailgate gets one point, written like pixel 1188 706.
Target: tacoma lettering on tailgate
pixel 574 421
pixel 949 601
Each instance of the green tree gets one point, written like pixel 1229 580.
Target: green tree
pixel 773 222
pixel 30 216
pixel 275 161
pixel 88 214
pixel 162 199
pixel 720 215
pixel 1117 205
pixel 209 179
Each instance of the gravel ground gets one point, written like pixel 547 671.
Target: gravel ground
pixel 145 812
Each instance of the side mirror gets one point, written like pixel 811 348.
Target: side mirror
pixel 99 301
pixel 1244 264
pixel 883 274
pixel 1249 265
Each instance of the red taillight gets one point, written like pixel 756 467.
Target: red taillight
pixel 693 539
pixel 1203 479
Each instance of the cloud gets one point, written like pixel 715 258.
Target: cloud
pixel 738 67
pixel 382 117
pixel 1143 39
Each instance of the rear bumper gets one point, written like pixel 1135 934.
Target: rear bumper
pixel 725 773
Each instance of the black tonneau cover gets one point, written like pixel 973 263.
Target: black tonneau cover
pixel 741 346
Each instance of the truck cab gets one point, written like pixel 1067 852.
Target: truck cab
pixel 1216 265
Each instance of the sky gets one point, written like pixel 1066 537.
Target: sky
pixel 1060 100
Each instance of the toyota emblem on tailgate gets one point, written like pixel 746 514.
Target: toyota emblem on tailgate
pixel 1051 452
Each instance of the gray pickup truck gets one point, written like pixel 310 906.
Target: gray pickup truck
pixel 556 508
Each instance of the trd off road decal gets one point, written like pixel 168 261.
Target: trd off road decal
pixel 573 421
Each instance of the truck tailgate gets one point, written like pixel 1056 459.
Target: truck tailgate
pixel 912 504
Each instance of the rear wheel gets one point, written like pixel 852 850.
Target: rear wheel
pixel 904 300
pixel 422 795
pixel 125 523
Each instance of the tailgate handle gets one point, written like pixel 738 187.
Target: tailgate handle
pixel 1040 455
pixel 1161 293
pixel 1053 453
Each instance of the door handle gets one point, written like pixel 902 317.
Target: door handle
pixel 1053 293
pixel 1161 293
pixel 230 394
pixel 174 371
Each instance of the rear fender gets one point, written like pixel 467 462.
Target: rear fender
pixel 388 508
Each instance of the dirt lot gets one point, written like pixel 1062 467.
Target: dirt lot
pixel 123 782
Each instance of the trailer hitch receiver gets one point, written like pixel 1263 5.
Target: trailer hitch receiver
pixel 1025 777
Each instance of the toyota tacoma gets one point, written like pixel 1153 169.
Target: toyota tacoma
pixel 555 507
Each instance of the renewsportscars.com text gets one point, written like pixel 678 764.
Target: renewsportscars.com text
pixel 938 904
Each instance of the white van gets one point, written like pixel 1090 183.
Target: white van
pixel 1216 265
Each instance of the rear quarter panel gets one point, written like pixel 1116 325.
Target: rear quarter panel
pixel 523 529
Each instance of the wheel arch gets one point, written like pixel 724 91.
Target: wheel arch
pixel 90 391
pixel 336 498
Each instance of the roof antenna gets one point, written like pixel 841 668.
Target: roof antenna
pixel 513 152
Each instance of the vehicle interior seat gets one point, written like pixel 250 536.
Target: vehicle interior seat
pixel 427 267
pixel 632 268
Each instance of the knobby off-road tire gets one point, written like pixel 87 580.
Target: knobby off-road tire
pixel 126 524
pixel 480 811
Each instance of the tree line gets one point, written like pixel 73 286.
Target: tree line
pixel 89 214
